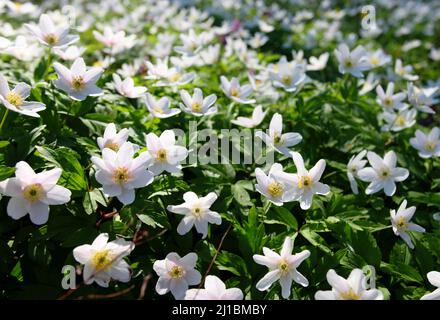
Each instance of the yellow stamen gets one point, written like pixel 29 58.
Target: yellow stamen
pixel 349 295
pixel 161 155
pixel 33 192
pixel 121 175
pixel 112 145
pixel 304 182
pixel 283 266
pixel 430 146
pixel 14 99
pixel 102 259
pixel 175 77
pixel 78 83
pixel 235 92
pixel 275 189
pixel 51 39
pixel 176 272
pixel 401 223
pixel 196 106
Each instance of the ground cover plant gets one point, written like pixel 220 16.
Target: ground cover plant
pixel 219 150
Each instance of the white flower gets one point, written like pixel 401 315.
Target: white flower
pixel 69 53
pixel 19 9
pixel 21 49
pixel 398 121
pixel 354 62
pixel 210 55
pixel 115 41
pixel 288 76
pixel 103 260
pixel 215 289
pixel 282 268
pixel 33 193
pixel 120 173
pixel 316 64
pixel 383 173
pixel 368 84
pixel 378 58
pixel 15 99
pixel 276 139
pixel 400 221
pixel 176 274
pixel 112 139
pixel 160 108
pixel 274 189
pixel 422 99
pixel 197 105
pixel 257 117
pixel 404 71
pixel 78 82
pixel 434 279
pixel 352 288
pixel 258 40
pixel 355 164
pixel 235 92
pixel 126 88
pixel 389 100
pixel 192 43
pixel 50 35
pixel 305 183
pixel 196 212
pixel 165 155
pixel 427 145
pixel 173 76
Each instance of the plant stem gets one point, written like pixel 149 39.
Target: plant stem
pixel 3 119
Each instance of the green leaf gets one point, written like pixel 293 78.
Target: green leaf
pixel 315 239
pixel 283 216
pixel 402 271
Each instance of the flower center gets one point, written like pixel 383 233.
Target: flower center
pixel 375 61
pixel 400 121
pixel 121 175
pixel 348 63
pixel 197 212
pixel 51 39
pixel 14 99
pixel 275 189
pixel 283 266
pixel 235 92
pixel 277 138
pixel 176 272
pixel 161 155
pixel 33 192
pixel 78 83
pixel 112 145
pixel 387 101
pixel 304 182
pixel 286 79
pixel 175 77
pixel 102 259
pixel 196 106
pixel 349 295
pixel 401 223
pixel 385 173
pixel 353 169
pixel 430 146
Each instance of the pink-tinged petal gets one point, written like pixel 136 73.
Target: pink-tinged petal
pixel 22 89
pixel 127 196
pixel 269 262
pixel 287 248
pixel 16 208
pixel 268 280
pixel 232 294
pixel 299 163
pixel 57 195
pixel 375 160
pixel 163 285
pixel 24 171
pixel 325 295
pixel 78 67
pixel 317 170
pixel 100 242
pixel 92 75
pixel 121 271
pixel 337 282
pixel 38 212
pixel 434 278
pixel 4 88
pixel 185 225
pixel 83 253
